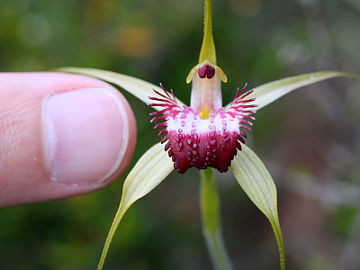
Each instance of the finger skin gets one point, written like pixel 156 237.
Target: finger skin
pixel 24 172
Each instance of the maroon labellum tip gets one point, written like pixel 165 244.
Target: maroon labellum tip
pixel 201 143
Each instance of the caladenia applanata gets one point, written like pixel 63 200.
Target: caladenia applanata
pixel 205 135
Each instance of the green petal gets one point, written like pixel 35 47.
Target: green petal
pixel 150 170
pixel 269 92
pixel 257 183
pixel 137 87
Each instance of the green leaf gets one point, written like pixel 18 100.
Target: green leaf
pixel 150 170
pixel 137 87
pixel 269 92
pixel 257 183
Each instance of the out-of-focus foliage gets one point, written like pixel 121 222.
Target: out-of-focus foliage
pixel 309 140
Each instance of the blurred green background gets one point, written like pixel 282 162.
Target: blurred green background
pixel 309 139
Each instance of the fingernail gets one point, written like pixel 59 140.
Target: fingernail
pixel 85 135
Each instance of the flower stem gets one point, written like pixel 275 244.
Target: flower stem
pixel 210 210
pixel 208 52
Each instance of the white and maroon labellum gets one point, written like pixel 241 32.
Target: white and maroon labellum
pixel 195 140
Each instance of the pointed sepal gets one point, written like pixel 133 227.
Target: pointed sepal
pixel 258 184
pixel 150 170
pixel 135 86
pixel 208 52
pixel 270 92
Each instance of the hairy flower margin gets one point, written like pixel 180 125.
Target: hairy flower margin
pixel 193 141
pixel 205 134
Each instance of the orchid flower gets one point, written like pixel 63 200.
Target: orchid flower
pixel 205 135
